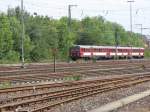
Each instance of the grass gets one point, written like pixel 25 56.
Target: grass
pixel 4 85
pixel 73 78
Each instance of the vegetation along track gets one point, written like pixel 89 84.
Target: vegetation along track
pixel 45 100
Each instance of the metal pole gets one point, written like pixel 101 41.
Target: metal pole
pixel 54 62
pixel 131 15
pixel 131 1
pixel 69 16
pixel 23 34
pixel 117 43
pixel 69 25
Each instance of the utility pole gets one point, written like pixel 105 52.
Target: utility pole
pixel 69 16
pixel 131 1
pixel 23 34
pixel 131 30
pixel 69 25
pixel 116 43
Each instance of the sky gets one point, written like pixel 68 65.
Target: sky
pixel 112 10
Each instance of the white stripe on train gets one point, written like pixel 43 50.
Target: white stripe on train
pixel 111 54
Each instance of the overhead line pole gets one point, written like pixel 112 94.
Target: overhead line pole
pixel 69 16
pixel 131 1
pixel 116 43
pixel 131 30
pixel 22 34
pixel 69 22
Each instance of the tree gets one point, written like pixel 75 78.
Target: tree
pixel 6 41
pixel 42 34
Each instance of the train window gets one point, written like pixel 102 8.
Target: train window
pixel 86 50
pixel 134 50
pixel 103 50
pixel 89 50
pixel 95 50
pixel 83 49
pixel 113 50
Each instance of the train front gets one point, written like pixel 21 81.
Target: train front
pixel 75 52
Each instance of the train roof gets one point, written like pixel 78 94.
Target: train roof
pixel 112 47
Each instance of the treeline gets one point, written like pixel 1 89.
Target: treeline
pixel 42 34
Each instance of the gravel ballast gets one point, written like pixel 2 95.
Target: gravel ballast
pixel 87 104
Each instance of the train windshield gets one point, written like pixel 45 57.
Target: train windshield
pixel 75 48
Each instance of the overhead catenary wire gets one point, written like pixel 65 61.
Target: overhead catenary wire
pixel 64 8
pixel 61 10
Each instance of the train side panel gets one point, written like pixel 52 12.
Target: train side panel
pixel 109 52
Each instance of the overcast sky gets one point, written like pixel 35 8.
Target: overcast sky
pixel 112 10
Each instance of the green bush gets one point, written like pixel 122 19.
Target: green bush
pixel 147 53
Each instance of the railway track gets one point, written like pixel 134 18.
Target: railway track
pixel 61 76
pixel 44 73
pixel 42 101
pixel 43 87
pixel 61 67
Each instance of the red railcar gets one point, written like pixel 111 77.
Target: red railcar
pixel 107 52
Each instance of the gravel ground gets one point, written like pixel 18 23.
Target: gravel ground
pixel 142 105
pixel 84 105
